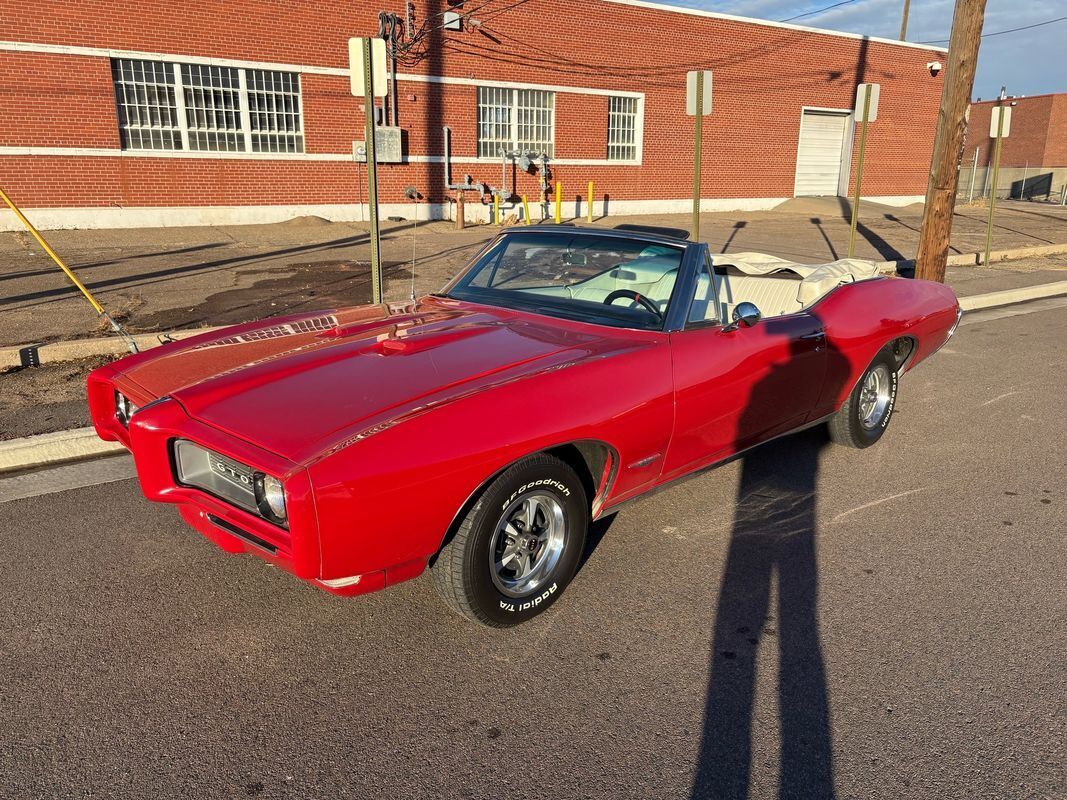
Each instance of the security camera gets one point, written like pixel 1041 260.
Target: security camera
pixel 934 67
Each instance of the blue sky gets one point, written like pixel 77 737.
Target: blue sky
pixel 1027 62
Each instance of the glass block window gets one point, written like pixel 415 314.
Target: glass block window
pixel 207 108
pixel 515 119
pixel 274 111
pixel 622 128
pixel 147 105
pixel 212 107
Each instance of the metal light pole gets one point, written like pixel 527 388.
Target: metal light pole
pixel 697 104
pixel 993 191
pixel 698 141
pixel 859 170
pixel 372 174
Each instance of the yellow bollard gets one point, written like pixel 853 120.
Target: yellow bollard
pixel 525 210
pixel 559 202
pixel 589 204
pixel 496 210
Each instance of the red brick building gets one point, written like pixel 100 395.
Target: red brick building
pixel 1033 157
pixel 206 112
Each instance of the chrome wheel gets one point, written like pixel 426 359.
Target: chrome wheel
pixel 527 544
pixel 874 397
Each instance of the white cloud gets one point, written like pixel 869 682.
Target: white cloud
pixel 1027 62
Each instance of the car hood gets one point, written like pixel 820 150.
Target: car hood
pixel 297 385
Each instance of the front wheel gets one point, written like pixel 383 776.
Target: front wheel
pixel 518 546
pixel 865 415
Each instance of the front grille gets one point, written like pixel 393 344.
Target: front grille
pixel 223 477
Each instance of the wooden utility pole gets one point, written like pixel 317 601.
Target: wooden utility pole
pixel 962 57
pixel 904 21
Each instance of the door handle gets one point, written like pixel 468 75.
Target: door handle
pixel 816 335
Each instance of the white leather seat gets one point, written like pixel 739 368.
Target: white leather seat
pixel 774 297
pixel 778 287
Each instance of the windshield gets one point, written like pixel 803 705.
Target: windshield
pixel 604 279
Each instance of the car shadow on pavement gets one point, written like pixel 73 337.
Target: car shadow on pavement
pixel 598 529
pixel 771 556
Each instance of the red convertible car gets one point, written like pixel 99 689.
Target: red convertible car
pixel 479 430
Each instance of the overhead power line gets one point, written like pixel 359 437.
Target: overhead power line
pixel 1001 33
pixel 817 11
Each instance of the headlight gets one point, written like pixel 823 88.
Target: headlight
pixel 270 497
pixel 124 409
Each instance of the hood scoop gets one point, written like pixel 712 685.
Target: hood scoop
pixel 395 324
pixel 401 344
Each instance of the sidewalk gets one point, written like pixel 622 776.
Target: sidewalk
pixel 167 278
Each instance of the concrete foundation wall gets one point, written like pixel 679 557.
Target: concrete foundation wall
pixel 1032 183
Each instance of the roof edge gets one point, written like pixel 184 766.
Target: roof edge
pixel 698 12
pixel 1018 97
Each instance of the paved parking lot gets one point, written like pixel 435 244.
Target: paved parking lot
pixel 809 622
pixel 167 278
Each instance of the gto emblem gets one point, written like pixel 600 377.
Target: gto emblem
pixel 230 472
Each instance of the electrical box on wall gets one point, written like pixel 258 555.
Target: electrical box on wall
pixel 388 140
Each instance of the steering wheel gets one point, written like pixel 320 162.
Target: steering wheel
pixel 643 301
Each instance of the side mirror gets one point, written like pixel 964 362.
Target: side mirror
pixel 746 314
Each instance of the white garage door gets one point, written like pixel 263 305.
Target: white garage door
pixel 822 140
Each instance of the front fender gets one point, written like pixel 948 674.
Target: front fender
pixel 390 496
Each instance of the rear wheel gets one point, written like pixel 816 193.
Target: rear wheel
pixel 518 546
pixel 865 415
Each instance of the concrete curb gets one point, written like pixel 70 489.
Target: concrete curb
pixel 87 348
pixel 53 448
pixel 976 259
pixel 1011 296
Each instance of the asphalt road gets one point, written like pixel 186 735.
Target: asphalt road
pixel 810 622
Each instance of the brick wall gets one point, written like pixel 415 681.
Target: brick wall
pixel 763 77
pixel 56 100
pixel 1056 144
pixel 1038 133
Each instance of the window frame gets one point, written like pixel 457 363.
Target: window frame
pixel 181 110
pixel 675 312
pixel 636 117
pixel 700 324
pixel 146 96
pixel 515 121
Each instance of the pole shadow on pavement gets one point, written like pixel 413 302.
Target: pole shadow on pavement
pixel 817 222
pixel 739 225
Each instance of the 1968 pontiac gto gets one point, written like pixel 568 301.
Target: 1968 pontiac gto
pixel 479 430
